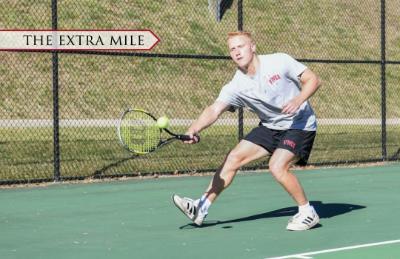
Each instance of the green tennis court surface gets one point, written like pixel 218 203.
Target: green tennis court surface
pixel 359 210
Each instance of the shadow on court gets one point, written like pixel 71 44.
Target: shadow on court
pixel 327 210
pixel 99 173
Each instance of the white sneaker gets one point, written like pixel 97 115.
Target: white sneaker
pixel 190 208
pixel 303 221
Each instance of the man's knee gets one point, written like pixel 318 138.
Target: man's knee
pixel 278 170
pixel 234 159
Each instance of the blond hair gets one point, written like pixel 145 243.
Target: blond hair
pixel 240 33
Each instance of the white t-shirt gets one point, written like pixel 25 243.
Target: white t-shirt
pixel 276 82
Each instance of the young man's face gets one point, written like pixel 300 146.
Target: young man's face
pixel 241 50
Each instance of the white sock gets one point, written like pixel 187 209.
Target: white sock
pixel 204 204
pixel 305 208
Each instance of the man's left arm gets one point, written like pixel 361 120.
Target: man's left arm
pixel 310 82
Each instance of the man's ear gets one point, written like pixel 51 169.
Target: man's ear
pixel 253 47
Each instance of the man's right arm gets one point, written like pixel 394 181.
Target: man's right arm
pixel 206 119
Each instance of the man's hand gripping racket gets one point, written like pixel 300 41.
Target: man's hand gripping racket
pixel 139 132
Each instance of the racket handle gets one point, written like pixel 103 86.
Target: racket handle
pixel 187 137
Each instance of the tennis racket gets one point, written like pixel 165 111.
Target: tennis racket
pixel 138 132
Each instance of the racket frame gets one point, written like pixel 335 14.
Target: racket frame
pixel 161 142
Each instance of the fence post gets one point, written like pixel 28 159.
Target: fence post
pixel 383 80
pixel 240 111
pixel 56 143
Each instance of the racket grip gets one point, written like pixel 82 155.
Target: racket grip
pixel 187 137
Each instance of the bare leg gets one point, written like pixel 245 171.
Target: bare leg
pixel 279 165
pixel 243 153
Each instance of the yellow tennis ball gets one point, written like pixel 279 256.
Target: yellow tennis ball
pixel 163 122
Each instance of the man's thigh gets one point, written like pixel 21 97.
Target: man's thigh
pixel 247 151
pixel 283 158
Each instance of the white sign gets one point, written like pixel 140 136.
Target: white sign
pixel 77 40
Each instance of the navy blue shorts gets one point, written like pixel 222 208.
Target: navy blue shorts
pixel 299 142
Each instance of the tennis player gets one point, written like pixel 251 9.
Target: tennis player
pixel 277 88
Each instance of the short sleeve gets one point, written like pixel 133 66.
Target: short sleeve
pixel 228 96
pixel 293 67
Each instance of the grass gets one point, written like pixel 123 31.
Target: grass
pixel 100 87
pixel 312 29
pixel 96 152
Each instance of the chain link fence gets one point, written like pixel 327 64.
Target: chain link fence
pixel 352 45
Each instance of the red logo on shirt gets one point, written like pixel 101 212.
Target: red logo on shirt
pixel 274 78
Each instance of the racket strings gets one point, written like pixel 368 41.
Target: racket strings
pixel 139 132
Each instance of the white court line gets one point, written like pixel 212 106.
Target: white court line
pixel 307 255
